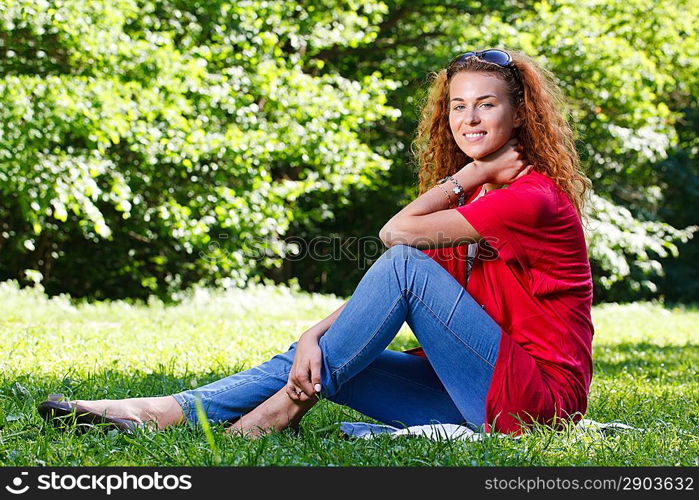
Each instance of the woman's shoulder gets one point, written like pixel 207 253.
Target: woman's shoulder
pixel 535 181
pixel 542 190
pixel 535 191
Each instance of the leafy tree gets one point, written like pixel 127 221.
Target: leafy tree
pixel 149 145
pixel 146 146
pixel 628 70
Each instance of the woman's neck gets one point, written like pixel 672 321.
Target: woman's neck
pixel 490 187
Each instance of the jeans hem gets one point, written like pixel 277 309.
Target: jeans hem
pixel 185 405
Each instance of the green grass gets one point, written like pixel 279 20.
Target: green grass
pixel 645 376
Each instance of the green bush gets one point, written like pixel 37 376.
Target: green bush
pixel 628 70
pixel 146 145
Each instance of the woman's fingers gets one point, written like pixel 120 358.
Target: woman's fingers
pixel 316 365
pixel 304 377
pixel 304 382
pixel 292 392
pixel 300 384
pixel 292 386
pixel 524 171
pixel 303 397
pixel 296 394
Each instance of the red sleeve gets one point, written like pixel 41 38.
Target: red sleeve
pixel 513 220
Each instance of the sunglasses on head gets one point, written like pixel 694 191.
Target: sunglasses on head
pixel 493 56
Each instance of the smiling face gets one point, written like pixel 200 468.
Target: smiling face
pixel 481 115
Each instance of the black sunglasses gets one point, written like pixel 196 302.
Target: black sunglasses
pixel 494 56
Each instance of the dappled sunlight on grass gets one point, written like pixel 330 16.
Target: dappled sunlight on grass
pixel 645 322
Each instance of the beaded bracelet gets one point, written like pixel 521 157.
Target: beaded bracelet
pixel 446 193
pixel 457 189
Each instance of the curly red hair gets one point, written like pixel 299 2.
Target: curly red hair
pixel 545 134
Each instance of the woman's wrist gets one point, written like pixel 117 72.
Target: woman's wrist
pixel 455 188
pixel 314 333
pixel 470 176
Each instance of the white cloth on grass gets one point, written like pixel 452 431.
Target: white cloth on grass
pixel 456 432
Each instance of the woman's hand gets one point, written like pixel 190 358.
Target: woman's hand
pixel 304 377
pixel 503 166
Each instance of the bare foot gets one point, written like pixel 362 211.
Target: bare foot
pixel 276 413
pixel 157 412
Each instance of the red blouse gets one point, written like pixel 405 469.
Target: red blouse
pixel 532 275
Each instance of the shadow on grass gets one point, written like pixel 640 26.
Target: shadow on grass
pixel 20 396
pixel 25 439
pixel 107 384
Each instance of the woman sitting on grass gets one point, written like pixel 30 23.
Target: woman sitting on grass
pixel 488 266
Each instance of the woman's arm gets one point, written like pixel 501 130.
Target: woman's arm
pixel 304 376
pixel 428 222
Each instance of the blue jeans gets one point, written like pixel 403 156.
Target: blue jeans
pixel 404 285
